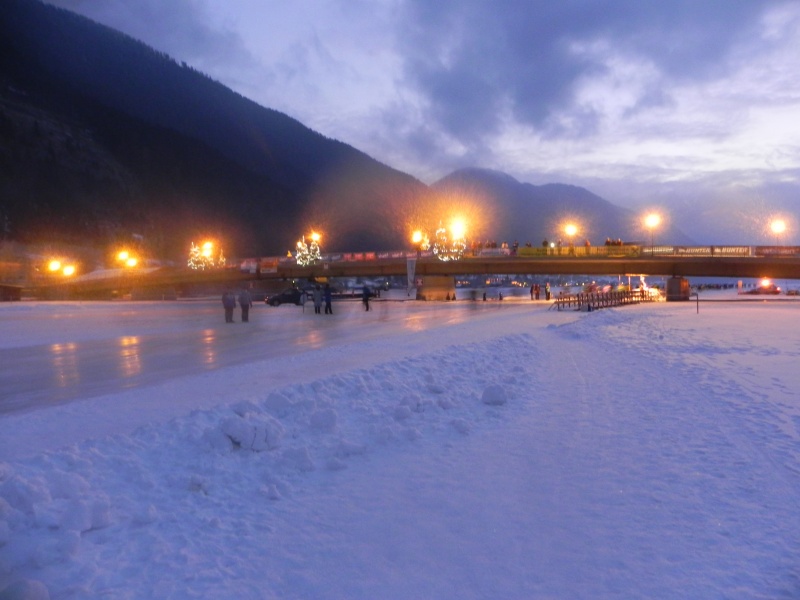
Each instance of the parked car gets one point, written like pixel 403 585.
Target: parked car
pixel 290 296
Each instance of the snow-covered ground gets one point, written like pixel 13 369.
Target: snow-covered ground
pixel 435 451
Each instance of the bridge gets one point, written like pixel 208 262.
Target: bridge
pixel 781 262
pixel 777 262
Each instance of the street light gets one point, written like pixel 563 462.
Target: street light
pixel 458 229
pixel 571 230
pixel 57 266
pixel 652 221
pixel 778 227
pixel 127 259
pixel 420 241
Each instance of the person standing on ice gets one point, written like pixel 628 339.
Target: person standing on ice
pixel 228 303
pixel 365 294
pixel 328 299
pixel 317 297
pixel 245 301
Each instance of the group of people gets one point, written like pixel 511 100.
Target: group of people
pixel 536 291
pixel 317 297
pixel 229 304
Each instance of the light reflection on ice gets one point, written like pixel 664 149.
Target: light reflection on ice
pixel 130 361
pixel 209 347
pixel 312 338
pixel 65 363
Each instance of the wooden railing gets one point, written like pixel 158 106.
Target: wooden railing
pixel 596 300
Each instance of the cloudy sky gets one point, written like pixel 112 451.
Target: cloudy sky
pixel 644 102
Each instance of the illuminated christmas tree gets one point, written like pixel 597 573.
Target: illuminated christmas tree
pixel 446 249
pixel 202 257
pixel 307 254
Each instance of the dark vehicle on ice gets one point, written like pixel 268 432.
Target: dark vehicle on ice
pixel 765 287
pixel 290 296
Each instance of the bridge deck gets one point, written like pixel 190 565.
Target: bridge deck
pixel 688 264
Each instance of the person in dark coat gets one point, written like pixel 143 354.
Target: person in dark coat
pixel 365 294
pixel 228 303
pixel 245 301
pixel 536 290
pixel 328 298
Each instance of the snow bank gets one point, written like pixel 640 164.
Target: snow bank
pixel 61 511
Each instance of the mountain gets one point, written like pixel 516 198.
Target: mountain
pixel 103 137
pixel 496 202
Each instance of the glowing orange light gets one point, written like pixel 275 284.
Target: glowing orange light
pixel 416 237
pixel 54 265
pixel 652 221
pixel 68 270
pixel 458 229
pixel 206 249
pixel 778 226
pixel 571 230
pixel 315 237
pixel 123 255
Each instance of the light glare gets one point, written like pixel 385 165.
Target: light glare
pixel 652 221
pixel 458 229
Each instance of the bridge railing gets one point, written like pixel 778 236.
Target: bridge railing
pixel 635 250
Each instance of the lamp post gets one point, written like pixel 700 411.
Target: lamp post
pixel 57 267
pixel 652 221
pixel 571 230
pixel 778 227
pixel 420 241
pixel 127 259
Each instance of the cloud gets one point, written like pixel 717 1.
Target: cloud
pixel 473 59
pixel 628 94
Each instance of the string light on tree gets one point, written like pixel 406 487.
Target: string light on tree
pixel 308 253
pixel 450 247
pixel 203 257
